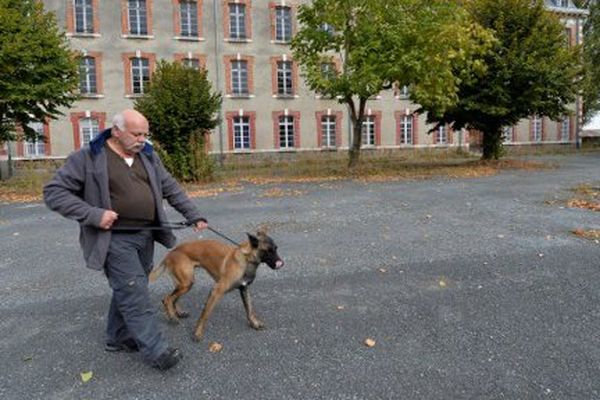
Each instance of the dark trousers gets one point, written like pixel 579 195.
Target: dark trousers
pixel 131 314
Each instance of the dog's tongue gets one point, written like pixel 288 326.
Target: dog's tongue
pixel 278 264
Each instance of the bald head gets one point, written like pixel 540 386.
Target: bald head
pixel 129 117
pixel 130 129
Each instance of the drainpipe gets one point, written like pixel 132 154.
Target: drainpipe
pixel 218 77
pixel 578 100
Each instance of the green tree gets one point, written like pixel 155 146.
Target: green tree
pixel 181 109
pixel 530 70
pixel 380 43
pixel 38 72
pixel 591 59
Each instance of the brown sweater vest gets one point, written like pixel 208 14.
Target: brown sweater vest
pixel 130 191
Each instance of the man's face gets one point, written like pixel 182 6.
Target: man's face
pixel 133 138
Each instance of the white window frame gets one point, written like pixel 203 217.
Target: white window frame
pixel 85 8
pixel 537 128
pixel 89 128
pixel 286 132
pixel 565 129
pixel 137 10
pixel 188 13
pixel 239 78
pixel 283 24
pixel 442 135
pixel 406 130
pixel 87 76
pixel 241 132
pixel 237 21
pixel 139 73
pixel 507 134
pixel 285 82
pixel 368 131
pixel 193 63
pixel 36 148
pixel 328 131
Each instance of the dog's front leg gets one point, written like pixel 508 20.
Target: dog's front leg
pixel 253 320
pixel 215 295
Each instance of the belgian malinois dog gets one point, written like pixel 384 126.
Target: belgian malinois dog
pixel 230 267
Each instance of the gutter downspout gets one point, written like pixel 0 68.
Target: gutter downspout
pixel 218 79
pixel 578 101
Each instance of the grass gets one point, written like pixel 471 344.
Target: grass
pixel 387 166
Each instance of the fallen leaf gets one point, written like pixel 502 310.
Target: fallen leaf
pixel 341 307
pixel 27 358
pixel 382 270
pixel 369 342
pixel 442 283
pixel 86 376
pixel 215 347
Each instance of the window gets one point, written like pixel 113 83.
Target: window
pixel 507 133
pixel 84 16
pixel 193 63
pixel 284 78
pixel 286 131
pixel 368 131
pixel 36 148
pixel 441 135
pixel 140 74
pixel 188 18
pixel 561 3
pixel 283 24
pixel 87 76
pixel 406 129
pixel 565 129
pixel 536 128
pixel 403 92
pixel 137 17
pixel 328 129
pixel 237 21
pixel 328 70
pixel 241 133
pixel 239 78
pixel 88 129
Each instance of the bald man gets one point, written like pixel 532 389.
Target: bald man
pixel 114 188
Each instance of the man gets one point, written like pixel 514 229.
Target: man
pixel 114 188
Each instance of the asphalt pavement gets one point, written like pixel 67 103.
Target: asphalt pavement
pixel 469 288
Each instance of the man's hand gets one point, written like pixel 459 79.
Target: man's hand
pixel 200 225
pixel 108 219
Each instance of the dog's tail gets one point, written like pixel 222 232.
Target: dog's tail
pixel 157 271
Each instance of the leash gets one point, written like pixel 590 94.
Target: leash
pixel 171 225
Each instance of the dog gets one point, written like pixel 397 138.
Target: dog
pixel 230 267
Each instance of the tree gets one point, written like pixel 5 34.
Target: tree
pixel 181 110
pixel 38 72
pixel 530 70
pixel 591 60
pixel 379 43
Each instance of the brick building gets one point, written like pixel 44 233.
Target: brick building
pixel 244 45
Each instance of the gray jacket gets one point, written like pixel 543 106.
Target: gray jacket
pixel 79 191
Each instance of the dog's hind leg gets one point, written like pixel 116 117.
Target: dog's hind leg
pixel 253 320
pixel 183 276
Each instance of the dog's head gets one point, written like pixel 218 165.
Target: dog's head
pixel 266 249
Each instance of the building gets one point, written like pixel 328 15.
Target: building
pixel 244 45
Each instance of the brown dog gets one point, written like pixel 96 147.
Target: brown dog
pixel 230 267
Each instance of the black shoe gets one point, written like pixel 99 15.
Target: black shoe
pixel 168 359
pixel 127 346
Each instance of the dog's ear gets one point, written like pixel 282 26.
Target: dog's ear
pixel 253 240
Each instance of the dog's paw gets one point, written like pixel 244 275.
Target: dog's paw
pixel 258 325
pixel 197 338
pixel 173 320
pixel 183 314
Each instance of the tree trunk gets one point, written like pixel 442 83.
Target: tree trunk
pixel 357 120
pixel 492 144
